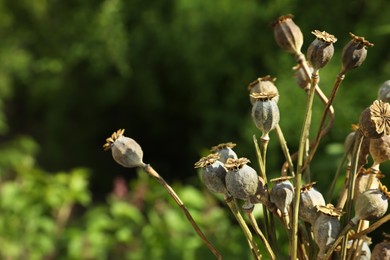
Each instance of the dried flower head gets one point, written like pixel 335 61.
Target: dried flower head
pixel 213 173
pixel 384 190
pixel 380 115
pixel 321 50
pixel 330 210
pixel 224 151
pixel 264 84
pixel 207 160
pixel 125 150
pixel 282 195
pixel 354 53
pixel 310 199
pixel 265 115
pixel 235 164
pixel 288 35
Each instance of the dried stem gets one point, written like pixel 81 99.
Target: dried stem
pixel 285 150
pixel 150 171
pixel 371 228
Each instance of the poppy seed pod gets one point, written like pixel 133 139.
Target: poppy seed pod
pixel 282 194
pixel 371 204
pixel 366 180
pixel 213 173
pixel 321 50
pixel 354 53
pixel 381 251
pixel 326 228
pixel 224 151
pixel 374 121
pixel 241 179
pixel 265 114
pixel 125 150
pixel 380 150
pixel 288 35
pixel 384 91
pixel 301 78
pixel 310 199
pixel 263 85
pixel 363 251
pixel 261 195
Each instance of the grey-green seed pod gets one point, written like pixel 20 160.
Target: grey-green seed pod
pixel 354 53
pixel 374 121
pixel 265 115
pixel 380 150
pixel 288 35
pixel 265 85
pixel 321 50
pixel 213 173
pixel 371 204
pixel 261 195
pixel 241 179
pixel 366 180
pixel 381 251
pixel 125 150
pixel 384 92
pixel 225 151
pixel 282 194
pixel 326 228
pixel 310 199
pixel 301 79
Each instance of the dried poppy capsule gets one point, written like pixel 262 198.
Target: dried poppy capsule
pixel 326 228
pixel 381 251
pixel 224 151
pixel 321 50
pixel 263 85
pixel 282 194
pixel 265 113
pixel 374 121
pixel 366 180
pixel 310 199
pixel 380 150
pixel 288 35
pixel 213 173
pixel 241 179
pixel 354 53
pixel 125 150
pixel 384 91
pixel 261 195
pixel 371 204
pixel 300 77
pixel 363 251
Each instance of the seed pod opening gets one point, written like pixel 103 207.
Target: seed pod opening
pixel 288 35
pixel 374 121
pixel 265 114
pixel 213 173
pixel 264 85
pixel 241 179
pixel 282 195
pixel 354 53
pixel 310 199
pixel 321 50
pixel 225 151
pixel 384 91
pixel 125 150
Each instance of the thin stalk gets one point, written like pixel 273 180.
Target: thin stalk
pixel 285 150
pixel 260 160
pixel 253 222
pixel 301 153
pixel 252 243
pixel 151 172
pixel 371 228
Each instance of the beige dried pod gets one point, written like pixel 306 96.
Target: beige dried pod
pixel 380 150
pixel 225 151
pixel 371 204
pixel 310 199
pixel 301 78
pixel 264 85
pixel 366 179
pixel 241 179
pixel 381 251
pixel 125 150
pixel 363 251
pixel 282 195
pixel 288 35
pixel 384 91
pixel 374 121
pixel 321 50
pixel 326 228
pixel 213 173
pixel 265 113
pixel 354 53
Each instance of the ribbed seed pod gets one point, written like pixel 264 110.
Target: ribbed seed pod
pixel 384 91
pixel 381 251
pixel 241 179
pixel 374 121
pixel 366 180
pixel 371 204
pixel 288 35
pixel 326 228
pixel 213 173
pixel 224 151
pixel 310 199
pixel 321 50
pixel 261 195
pixel 265 114
pixel 282 194
pixel 125 150
pixel 265 85
pixel 380 150
pixel 300 77
pixel 354 53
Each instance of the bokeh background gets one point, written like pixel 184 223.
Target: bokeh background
pixel 174 74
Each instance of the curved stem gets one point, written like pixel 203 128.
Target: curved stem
pixel 150 171
pixel 285 150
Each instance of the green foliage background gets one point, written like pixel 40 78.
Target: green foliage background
pixel 174 74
